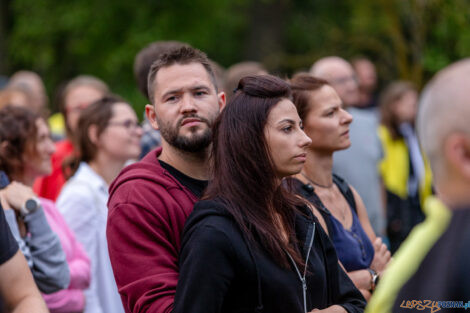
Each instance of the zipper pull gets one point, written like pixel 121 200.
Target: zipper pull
pixel 304 290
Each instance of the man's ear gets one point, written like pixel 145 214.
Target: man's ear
pixel 151 115
pixel 457 152
pixel 222 100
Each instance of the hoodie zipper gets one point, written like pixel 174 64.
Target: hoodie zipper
pixel 302 278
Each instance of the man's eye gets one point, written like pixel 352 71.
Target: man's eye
pixel 200 93
pixel 171 99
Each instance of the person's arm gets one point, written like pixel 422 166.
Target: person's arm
pixel 206 271
pixel 10 216
pixel 143 242
pixel 49 268
pixel 17 287
pixel 71 299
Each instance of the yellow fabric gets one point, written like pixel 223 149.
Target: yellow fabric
pixel 395 167
pixel 410 255
pixel 57 124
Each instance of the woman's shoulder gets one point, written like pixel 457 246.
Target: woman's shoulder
pixel 211 212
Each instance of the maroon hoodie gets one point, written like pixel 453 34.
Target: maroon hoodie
pixel 147 211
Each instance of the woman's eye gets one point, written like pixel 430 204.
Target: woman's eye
pixel 287 129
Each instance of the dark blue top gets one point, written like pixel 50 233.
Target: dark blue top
pixel 353 246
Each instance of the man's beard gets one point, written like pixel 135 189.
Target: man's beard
pixel 192 143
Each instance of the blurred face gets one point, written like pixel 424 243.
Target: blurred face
pixel 367 75
pixel 326 122
pixel 19 99
pixel 343 79
pixel 39 163
pixel 76 100
pixel 406 108
pixel 186 105
pixel 286 140
pixel 120 140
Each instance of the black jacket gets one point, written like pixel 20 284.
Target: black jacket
pixel 219 272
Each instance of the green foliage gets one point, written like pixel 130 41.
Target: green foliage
pixel 408 39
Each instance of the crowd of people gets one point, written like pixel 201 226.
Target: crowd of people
pixel 239 192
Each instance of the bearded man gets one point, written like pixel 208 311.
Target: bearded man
pixel 150 200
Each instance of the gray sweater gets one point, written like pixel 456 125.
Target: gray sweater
pixel 43 251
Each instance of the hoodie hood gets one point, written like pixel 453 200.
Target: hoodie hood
pixel 148 169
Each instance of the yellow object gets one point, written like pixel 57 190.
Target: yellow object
pixel 57 124
pixel 410 255
pixel 395 167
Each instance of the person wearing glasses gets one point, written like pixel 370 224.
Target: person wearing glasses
pixel 108 135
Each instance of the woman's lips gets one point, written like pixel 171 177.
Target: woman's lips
pixel 301 157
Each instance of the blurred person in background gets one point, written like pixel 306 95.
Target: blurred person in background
pixel 143 61
pixel 337 205
pixel 26 154
pixel 78 94
pixel 239 70
pixel 367 79
pixel 404 170
pixel 108 135
pixel 358 164
pixel 433 261
pixel 18 292
pixel 17 96
pixel 33 83
pixel 25 151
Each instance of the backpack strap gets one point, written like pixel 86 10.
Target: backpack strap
pixel 346 191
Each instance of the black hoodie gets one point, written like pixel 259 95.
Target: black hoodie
pixel 219 272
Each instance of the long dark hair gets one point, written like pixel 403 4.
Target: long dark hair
pixel 244 176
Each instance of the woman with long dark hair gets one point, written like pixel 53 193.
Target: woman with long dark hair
pixel 337 205
pixel 250 245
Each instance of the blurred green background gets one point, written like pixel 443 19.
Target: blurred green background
pixel 407 39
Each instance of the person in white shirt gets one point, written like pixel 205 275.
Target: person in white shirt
pixel 108 136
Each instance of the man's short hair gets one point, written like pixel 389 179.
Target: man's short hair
pixel 183 56
pixel 145 58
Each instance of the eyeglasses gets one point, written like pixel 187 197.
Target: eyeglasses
pixel 128 124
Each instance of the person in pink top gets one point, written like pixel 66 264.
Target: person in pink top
pixel 26 155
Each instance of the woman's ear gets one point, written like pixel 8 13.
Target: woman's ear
pixel 93 134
